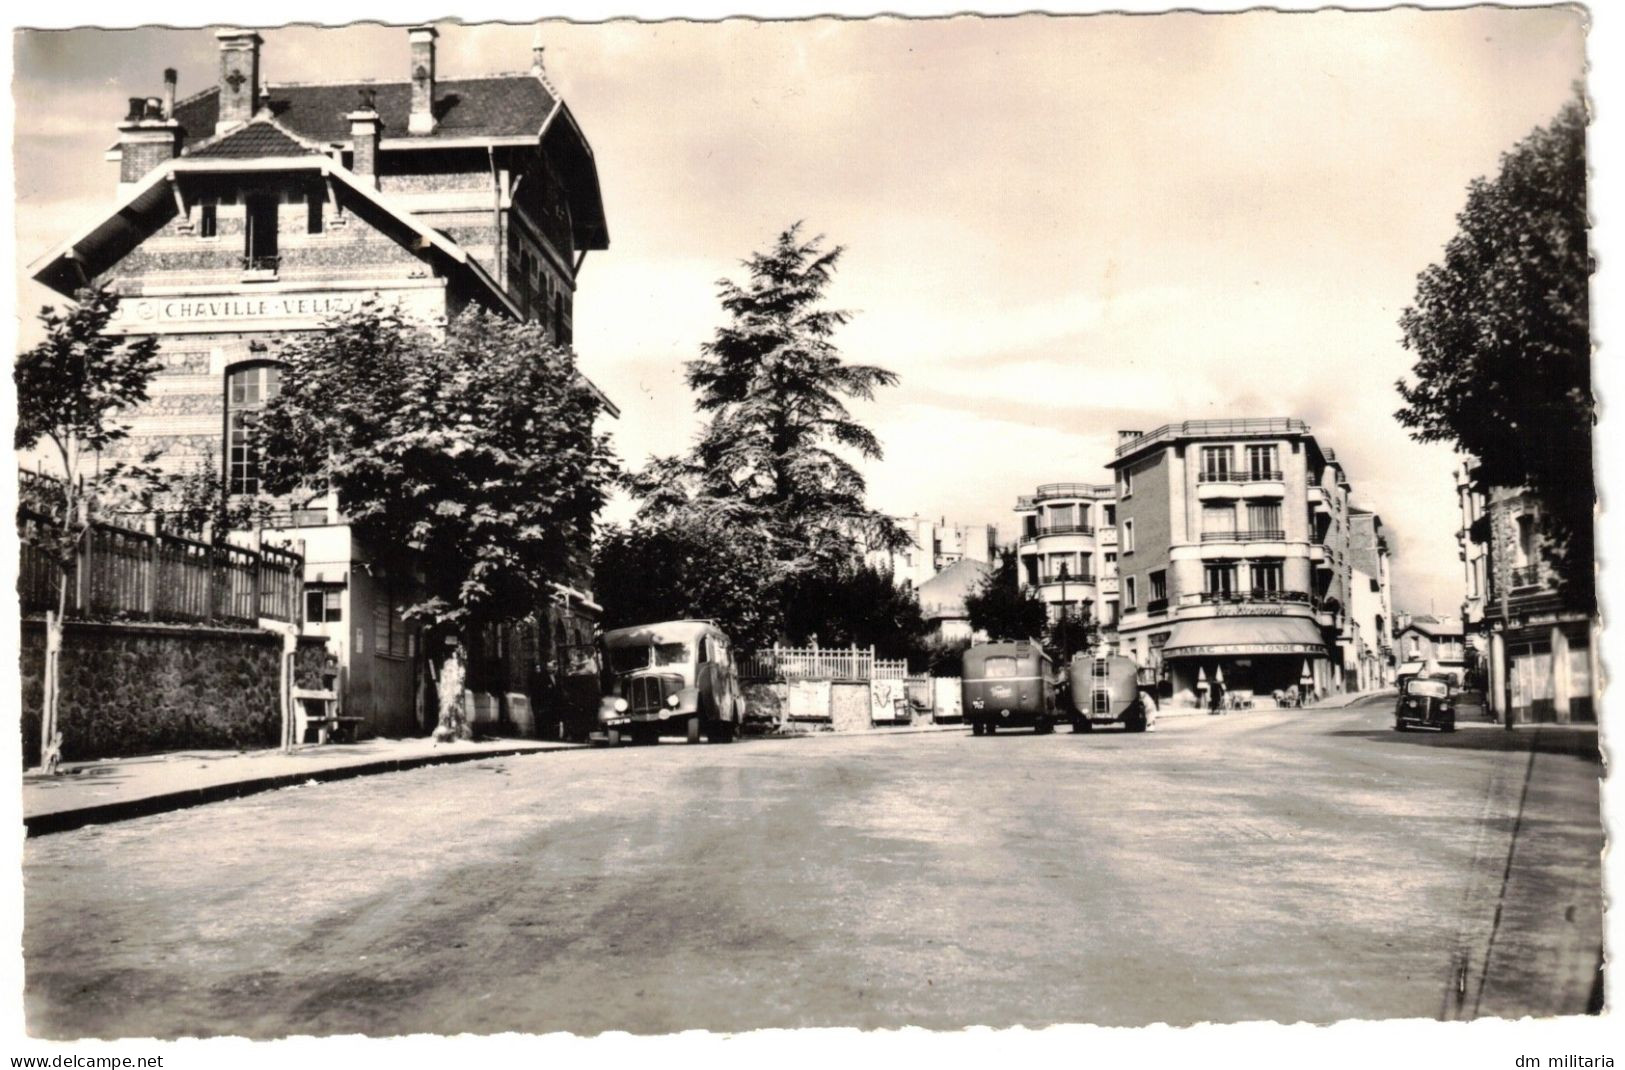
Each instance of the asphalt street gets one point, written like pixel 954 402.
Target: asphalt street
pixel 1293 865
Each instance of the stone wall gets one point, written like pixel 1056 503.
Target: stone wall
pixel 132 689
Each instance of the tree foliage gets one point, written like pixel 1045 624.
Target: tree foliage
pixel 1501 332
pixel 464 456
pixel 1001 608
pixel 775 389
pixel 72 388
pixel 686 565
pixel 854 604
pixel 196 500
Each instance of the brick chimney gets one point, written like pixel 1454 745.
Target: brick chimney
pixel 149 134
pixel 421 120
pixel 365 130
pixel 1125 436
pixel 239 77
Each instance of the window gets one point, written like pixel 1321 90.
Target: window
pixel 1128 536
pixel 208 222
pixel 315 221
pixel 1129 598
pixel 389 631
pixel 1526 540
pixel 1262 517
pixel 1220 577
pixel 1108 516
pixel 1159 586
pixel 1127 478
pixel 247 390
pixel 1111 563
pixel 1060 517
pixel 1216 463
pixel 1262 463
pixel 323 603
pixel 1218 520
pixel 259 234
pixel 1266 576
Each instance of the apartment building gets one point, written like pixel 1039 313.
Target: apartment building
pixel 1371 602
pixel 1234 564
pixel 1067 549
pixel 936 545
pixel 1542 657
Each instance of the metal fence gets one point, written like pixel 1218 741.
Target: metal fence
pixel 124 573
pixel 821 663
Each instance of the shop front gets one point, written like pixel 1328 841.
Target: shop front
pixel 1248 661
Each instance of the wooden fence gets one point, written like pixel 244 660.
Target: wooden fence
pixel 820 663
pixel 128 574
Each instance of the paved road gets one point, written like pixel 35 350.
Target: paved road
pixel 1295 865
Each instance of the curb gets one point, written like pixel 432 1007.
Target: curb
pixel 103 813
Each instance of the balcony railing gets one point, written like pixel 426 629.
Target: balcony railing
pixel 1260 535
pixel 1239 596
pixel 268 264
pixel 1215 429
pixel 1055 581
pixel 1529 576
pixel 1049 491
pixel 1258 476
pixel 1057 529
pixel 1157 605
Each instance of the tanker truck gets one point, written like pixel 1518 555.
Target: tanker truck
pixel 1106 690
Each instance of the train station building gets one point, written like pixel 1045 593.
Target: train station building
pixel 252 210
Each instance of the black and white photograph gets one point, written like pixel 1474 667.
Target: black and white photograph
pixel 543 524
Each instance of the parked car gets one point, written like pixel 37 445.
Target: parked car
pixel 1008 685
pixel 1106 690
pixel 677 677
pixel 1425 701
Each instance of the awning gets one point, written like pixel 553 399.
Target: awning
pixel 1217 636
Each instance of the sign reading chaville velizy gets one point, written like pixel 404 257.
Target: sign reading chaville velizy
pixel 256 311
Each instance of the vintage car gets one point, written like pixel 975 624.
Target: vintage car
pixel 1008 685
pixel 1426 702
pixel 675 677
pixel 1106 690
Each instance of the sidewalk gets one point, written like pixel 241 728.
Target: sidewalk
pixel 88 793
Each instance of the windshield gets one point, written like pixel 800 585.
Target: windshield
pixel 672 654
pixel 1428 688
pixel 997 668
pixel 632 658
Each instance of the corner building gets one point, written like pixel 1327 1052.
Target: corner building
pixel 252 211
pixel 1067 550
pixel 1234 563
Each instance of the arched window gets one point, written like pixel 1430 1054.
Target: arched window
pixel 248 388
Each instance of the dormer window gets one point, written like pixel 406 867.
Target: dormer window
pixel 260 234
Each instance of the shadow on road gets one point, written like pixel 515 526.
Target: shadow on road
pixel 1579 741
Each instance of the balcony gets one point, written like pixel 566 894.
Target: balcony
pixel 1157 605
pixel 260 268
pixel 1058 491
pixel 1260 535
pixel 1070 581
pixel 1056 529
pixel 1522 579
pixel 1107 584
pixel 1253 596
pixel 1214 429
pixel 1319 501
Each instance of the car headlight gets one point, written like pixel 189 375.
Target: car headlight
pixel 620 705
pixel 671 700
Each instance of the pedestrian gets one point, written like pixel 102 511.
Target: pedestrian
pixel 1216 697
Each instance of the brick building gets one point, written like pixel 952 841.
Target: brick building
pixel 253 209
pixel 1234 559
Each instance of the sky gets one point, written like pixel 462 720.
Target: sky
pixel 1054 227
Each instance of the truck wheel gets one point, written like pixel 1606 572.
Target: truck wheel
pixel 1135 722
pixel 1399 726
pixel 720 732
pixel 613 737
pixel 1082 724
pixel 990 728
pixel 1043 727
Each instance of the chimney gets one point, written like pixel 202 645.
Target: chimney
pixel 239 77
pixel 1125 436
pixel 421 120
pixel 538 62
pixel 169 92
pixel 147 137
pixel 365 128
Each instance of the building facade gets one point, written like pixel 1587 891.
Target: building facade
pixel 1541 651
pixel 1371 603
pixel 1426 643
pixel 1234 562
pixel 937 544
pixel 252 211
pixel 1067 550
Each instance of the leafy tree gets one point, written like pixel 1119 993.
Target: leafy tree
pixel 465 457
pixel 943 657
pixel 1001 608
pixel 775 389
pixel 682 566
pixel 1501 330
pixel 196 500
pixel 846 604
pixel 71 388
